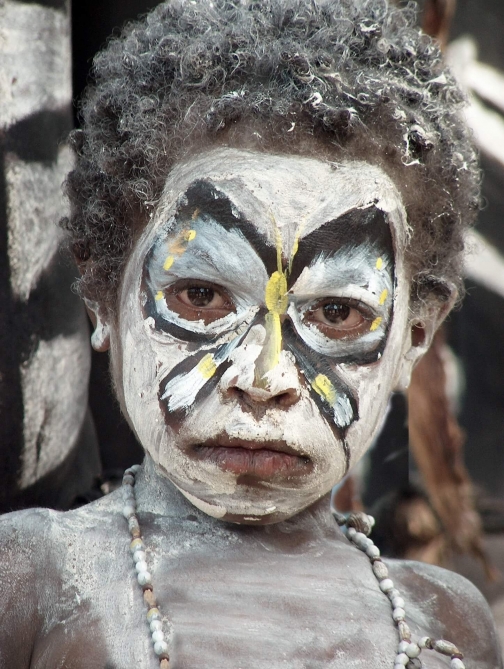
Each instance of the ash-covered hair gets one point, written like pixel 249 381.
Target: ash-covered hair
pixel 347 79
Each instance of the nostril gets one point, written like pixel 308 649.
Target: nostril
pixel 287 398
pixel 253 396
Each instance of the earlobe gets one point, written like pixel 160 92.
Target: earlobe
pixel 100 338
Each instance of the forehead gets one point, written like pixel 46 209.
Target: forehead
pixel 290 195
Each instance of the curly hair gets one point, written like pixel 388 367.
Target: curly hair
pixel 353 79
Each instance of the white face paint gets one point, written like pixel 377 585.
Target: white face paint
pixel 262 322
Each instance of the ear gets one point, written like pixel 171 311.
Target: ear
pixel 422 327
pixel 100 339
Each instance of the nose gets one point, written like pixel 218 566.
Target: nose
pixel 280 389
pixel 252 396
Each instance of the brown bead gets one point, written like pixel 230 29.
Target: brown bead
pixel 134 527
pixel 149 598
pixel 380 570
pixel 164 664
pixel 404 631
pixel 360 522
pixel 445 647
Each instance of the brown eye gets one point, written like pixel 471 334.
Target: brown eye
pixel 340 319
pixel 336 313
pixel 200 296
pixel 196 301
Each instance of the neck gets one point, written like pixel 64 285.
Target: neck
pixel 158 495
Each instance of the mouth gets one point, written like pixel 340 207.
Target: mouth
pixel 257 459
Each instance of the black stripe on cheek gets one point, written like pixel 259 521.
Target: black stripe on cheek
pixel 174 418
pixel 355 228
pixel 203 195
pixel 312 364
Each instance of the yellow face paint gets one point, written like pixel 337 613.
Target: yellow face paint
pixel 276 301
pixel 323 387
pixel 379 263
pixel 383 297
pixel 189 235
pixel 168 263
pixel 179 245
pixel 206 366
pixel 376 324
pixel 276 293
pixel 159 295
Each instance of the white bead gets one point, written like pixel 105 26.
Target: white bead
pixel 144 578
pixel 153 614
pixel 351 532
pixel 412 650
pixel 398 614
pixel 128 511
pixel 386 585
pixel 392 594
pixel 372 521
pixel 401 648
pixel 457 664
pixel 160 647
pixel 424 641
pixel 141 566
pixel 398 603
pixel 402 659
pixel 156 625
pixel 398 666
pixel 139 556
pixel 373 552
pixel 157 636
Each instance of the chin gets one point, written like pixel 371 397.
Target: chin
pixel 262 504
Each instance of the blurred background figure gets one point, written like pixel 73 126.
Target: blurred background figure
pixel 48 449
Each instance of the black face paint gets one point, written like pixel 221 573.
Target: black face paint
pixel 204 205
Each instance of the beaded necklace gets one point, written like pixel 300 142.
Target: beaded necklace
pixel 356 526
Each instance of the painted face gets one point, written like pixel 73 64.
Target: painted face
pixel 262 320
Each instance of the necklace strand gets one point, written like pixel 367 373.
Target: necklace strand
pixel 356 526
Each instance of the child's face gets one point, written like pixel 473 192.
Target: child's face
pixel 263 320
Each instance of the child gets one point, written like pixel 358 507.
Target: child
pixel 268 210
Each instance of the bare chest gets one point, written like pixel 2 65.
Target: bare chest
pixel 227 604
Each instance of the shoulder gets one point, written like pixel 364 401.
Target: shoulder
pixel 445 605
pixel 39 554
pixel 34 531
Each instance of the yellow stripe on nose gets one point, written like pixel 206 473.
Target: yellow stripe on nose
pixel 383 297
pixel 276 293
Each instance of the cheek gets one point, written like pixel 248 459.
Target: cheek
pixel 145 362
pixel 373 386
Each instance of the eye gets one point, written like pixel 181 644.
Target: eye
pixel 338 318
pixel 198 300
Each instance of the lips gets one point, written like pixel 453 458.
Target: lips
pixel 261 460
